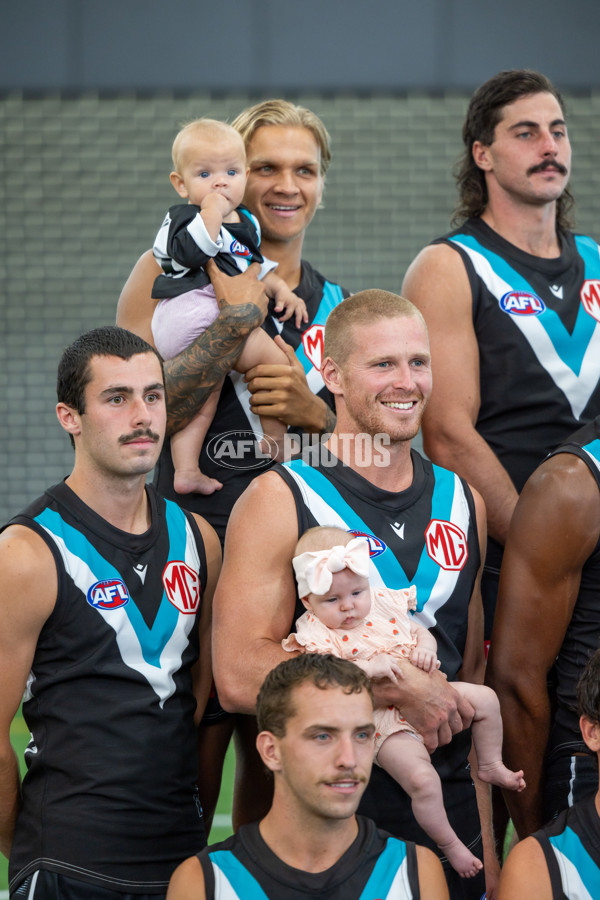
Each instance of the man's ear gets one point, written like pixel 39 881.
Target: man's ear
pixel 69 418
pixel 177 182
pixel 591 733
pixel 481 156
pixel 331 375
pixel 268 747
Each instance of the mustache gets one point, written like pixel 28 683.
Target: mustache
pixel 140 432
pixel 548 164
pixel 350 776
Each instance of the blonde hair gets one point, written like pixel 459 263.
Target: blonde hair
pixel 203 128
pixel 322 537
pixel 362 309
pixel 282 112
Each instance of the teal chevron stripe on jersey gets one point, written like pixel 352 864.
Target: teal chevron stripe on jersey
pixel 389 873
pixel 571 360
pixel 330 508
pixel 332 296
pixel 239 883
pixel 579 872
pixel 593 450
pixel 154 652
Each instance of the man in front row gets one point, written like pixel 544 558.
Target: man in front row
pixel 316 734
pixel 105 590
pixel 424 525
pixel 562 860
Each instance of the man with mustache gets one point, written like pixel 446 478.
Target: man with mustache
pixel 106 590
pixel 512 303
pixel 315 718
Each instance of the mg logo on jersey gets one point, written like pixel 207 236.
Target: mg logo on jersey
pixel 590 298
pixel 520 303
pixel 312 344
pixel 376 547
pixel 239 249
pixel 446 544
pixel 182 586
pixel 108 594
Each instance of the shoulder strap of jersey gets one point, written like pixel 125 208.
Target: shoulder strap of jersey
pixel 232 880
pixel 394 876
pixel 553 868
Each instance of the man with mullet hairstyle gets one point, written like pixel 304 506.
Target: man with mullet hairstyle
pixel 510 300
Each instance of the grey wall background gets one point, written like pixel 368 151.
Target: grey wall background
pixel 92 93
pixel 282 45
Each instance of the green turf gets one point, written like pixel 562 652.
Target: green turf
pixel 20 737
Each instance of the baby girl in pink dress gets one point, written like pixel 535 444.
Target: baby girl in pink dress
pixel 374 628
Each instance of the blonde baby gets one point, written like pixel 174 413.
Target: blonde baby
pixel 210 174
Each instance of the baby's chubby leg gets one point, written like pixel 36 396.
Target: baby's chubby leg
pixel 487 737
pixel 405 758
pixel 186 445
pixel 261 349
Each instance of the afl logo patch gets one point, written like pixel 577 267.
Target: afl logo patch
pixel 446 545
pixel 376 547
pixel 520 303
pixel 312 344
pixel 590 298
pixel 182 586
pixel 109 594
pixel 239 249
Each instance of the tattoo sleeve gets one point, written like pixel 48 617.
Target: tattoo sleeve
pixel 195 372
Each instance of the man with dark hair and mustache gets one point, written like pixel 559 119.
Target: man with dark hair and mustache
pixel 106 590
pixel 512 302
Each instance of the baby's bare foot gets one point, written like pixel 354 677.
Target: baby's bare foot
pixel 497 773
pixel 461 859
pixel 193 481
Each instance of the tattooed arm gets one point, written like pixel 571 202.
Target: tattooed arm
pixel 193 374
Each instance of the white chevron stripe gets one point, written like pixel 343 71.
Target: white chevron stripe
pixel 446 580
pixel 572 884
pixel 576 388
pixel 159 678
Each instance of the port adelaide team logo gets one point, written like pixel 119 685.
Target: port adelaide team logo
pixel 522 303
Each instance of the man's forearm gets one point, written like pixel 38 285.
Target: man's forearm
pixel 525 739
pixel 10 799
pixel 193 374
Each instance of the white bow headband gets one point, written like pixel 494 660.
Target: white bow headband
pixel 314 568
